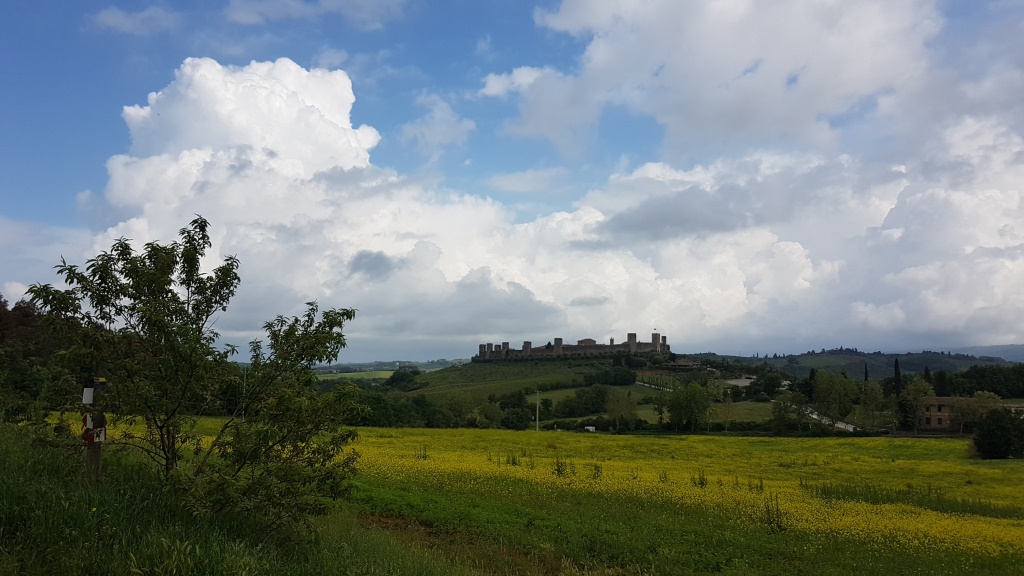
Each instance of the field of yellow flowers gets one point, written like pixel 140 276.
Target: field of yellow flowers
pixel 695 504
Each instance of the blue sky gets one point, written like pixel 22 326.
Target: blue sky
pixel 746 177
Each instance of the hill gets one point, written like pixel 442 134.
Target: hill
pixel 1009 352
pixel 879 364
pixel 477 380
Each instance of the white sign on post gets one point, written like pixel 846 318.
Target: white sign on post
pixel 87 395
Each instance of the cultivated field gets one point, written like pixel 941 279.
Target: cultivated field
pixel 538 503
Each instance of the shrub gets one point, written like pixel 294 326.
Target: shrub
pixel 1000 434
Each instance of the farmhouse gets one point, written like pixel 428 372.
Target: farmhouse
pixel 584 347
pixel 940 412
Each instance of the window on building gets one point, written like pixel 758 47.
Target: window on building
pixel 927 421
pixel 940 421
pixel 940 407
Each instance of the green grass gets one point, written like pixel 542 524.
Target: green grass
pixel 381 374
pixel 560 530
pixel 637 391
pixel 477 380
pixel 53 522
pixel 539 493
pixel 914 495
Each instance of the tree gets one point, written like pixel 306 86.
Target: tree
pixel 403 379
pixel 726 408
pixel 872 400
pixel 833 395
pixel 31 384
pixel 517 419
pixel 621 407
pixel 912 402
pixel 288 453
pixel 143 320
pixel 688 405
pixel 897 377
pixel 1000 435
pixel 787 410
pixel 770 382
pixel 968 412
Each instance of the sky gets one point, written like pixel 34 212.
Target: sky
pixel 743 177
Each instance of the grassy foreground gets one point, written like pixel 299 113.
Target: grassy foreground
pixel 564 502
pixel 499 502
pixel 52 522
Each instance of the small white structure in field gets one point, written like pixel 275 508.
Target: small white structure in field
pixel 590 429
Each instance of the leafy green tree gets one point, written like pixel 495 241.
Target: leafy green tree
pixel 547 408
pixel 288 453
pixel 517 419
pixel 789 409
pixel 688 406
pixel 31 383
pixel 872 401
pixel 144 320
pixel 726 408
pixel 912 402
pixel 402 379
pixel 770 382
pixel 1000 435
pixel 834 395
pixel 621 408
pixel 968 412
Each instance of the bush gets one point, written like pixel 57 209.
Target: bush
pixel 1000 435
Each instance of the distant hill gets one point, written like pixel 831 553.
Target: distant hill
pixel 1009 352
pixel 476 381
pixel 879 364
pixel 390 365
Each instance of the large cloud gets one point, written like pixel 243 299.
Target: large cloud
pixel 722 75
pixel 758 251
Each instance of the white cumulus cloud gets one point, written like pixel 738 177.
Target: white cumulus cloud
pixel 803 249
pixel 440 127
pixel 722 75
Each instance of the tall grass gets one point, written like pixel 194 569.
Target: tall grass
pixel 925 497
pixel 54 522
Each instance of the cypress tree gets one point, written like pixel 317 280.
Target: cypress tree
pixel 897 376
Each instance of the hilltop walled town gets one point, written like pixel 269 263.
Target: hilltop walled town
pixel 584 347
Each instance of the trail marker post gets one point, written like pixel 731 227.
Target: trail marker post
pixel 94 426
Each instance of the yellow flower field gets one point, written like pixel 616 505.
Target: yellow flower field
pixel 747 480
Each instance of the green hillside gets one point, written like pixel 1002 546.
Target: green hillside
pixel 477 380
pixel 879 364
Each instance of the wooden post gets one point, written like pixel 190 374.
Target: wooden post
pixel 94 428
pixel 92 462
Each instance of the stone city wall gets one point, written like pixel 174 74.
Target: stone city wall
pixel 587 346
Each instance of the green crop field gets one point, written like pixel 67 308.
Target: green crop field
pixel 357 375
pixel 557 502
pixel 478 380
pixel 463 501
